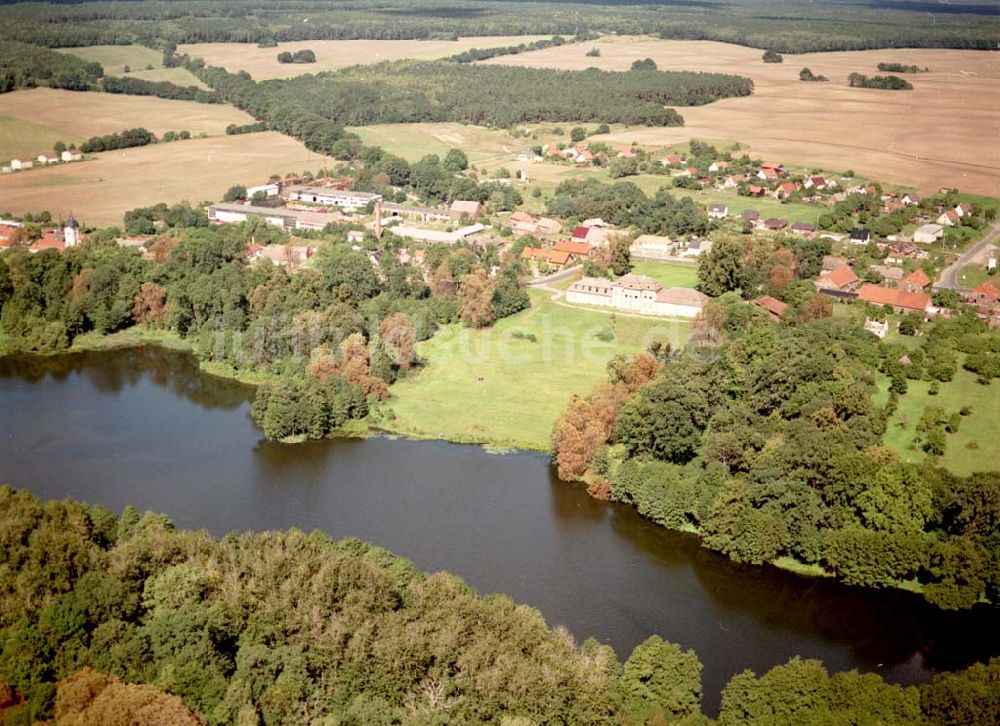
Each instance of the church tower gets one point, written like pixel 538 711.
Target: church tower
pixel 71 231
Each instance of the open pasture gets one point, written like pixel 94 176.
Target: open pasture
pixel 935 135
pixel 102 189
pixel 82 114
pixel 413 141
pixel 137 58
pixel 262 63
pixel 23 139
pixel 487 385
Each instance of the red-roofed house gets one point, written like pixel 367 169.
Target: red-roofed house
pixel 50 240
pixel 774 307
pixel 574 248
pixel 767 173
pixel 841 279
pixel 900 300
pixel 671 160
pixel 916 281
pixel 786 189
pixel 580 232
pixel 553 257
pixel 985 294
pixel 756 191
pixel 949 218
pixel 814 181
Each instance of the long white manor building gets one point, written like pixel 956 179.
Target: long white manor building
pixel 638 294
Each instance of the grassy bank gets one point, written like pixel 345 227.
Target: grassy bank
pixel 668 274
pixel 489 386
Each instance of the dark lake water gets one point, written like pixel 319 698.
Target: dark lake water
pixel 145 427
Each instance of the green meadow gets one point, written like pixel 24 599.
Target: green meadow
pixel 498 386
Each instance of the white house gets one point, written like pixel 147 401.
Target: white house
pixel 639 294
pixel 418 234
pixel 68 155
pixel 332 197
pixel 928 233
pixel 697 246
pixel 229 213
pixel 651 247
pixel 718 211
pixel 268 190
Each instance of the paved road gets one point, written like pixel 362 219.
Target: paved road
pixel 949 275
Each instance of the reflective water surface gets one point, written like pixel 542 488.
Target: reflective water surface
pixel 145 427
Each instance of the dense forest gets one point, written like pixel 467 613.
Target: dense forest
pixel 288 628
pixel 27 66
pixel 419 91
pixel 766 439
pixel 787 26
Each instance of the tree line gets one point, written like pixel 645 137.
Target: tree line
pixel 795 27
pixel 275 628
pixel 478 54
pixel 161 89
pixel 121 140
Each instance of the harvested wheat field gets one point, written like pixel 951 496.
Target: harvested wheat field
pixel 262 63
pixel 945 132
pixel 102 189
pixel 82 114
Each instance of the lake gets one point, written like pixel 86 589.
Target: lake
pixel 146 427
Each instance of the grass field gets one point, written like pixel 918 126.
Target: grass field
pixel 972 275
pixel 23 139
pixel 413 141
pixel 82 115
pixel 262 63
pixel 114 59
pixel 100 190
pixel 486 386
pixel 668 274
pixel 981 426
pixel 897 137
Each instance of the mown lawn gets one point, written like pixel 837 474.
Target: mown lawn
pixel 981 427
pixel 668 274
pixel 486 386
pixel 972 276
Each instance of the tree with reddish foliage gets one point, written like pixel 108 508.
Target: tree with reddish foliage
pixel 588 423
pixel 442 281
pixel 150 304
pixel 476 296
pixel 399 336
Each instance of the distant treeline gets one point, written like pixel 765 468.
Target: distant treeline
pixel 478 54
pixel 122 140
pixel 161 89
pixel 901 68
pixel 889 83
pixel 794 26
pixel 266 627
pixel 27 66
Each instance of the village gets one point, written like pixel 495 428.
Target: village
pixel 561 252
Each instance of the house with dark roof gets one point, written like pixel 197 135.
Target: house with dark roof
pixel 803 228
pixel 717 210
pixel 774 224
pixel 750 215
pixel 860 236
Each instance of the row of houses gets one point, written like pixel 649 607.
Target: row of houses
pixel 282 217
pixel 655 247
pixel 637 294
pixel 41 160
